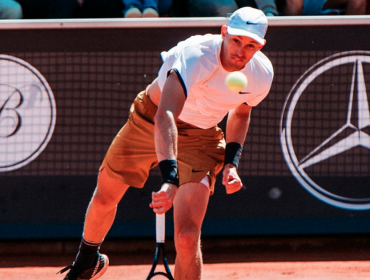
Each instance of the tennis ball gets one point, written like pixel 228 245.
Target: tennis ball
pixel 236 81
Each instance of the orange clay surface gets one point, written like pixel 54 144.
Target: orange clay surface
pixel 234 271
pixel 311 264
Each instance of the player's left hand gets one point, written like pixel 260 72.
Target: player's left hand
pixel 162 200
pixel 231 179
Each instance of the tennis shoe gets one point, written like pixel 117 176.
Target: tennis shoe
pixel 92 273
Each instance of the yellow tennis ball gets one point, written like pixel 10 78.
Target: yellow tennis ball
pixel 236 81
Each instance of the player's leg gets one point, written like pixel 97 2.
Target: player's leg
pixel 190 206
pixel 100 216
pixel 200 159
pixel 89 263
pixel 103 207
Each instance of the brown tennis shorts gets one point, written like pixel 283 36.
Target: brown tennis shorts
pixel 132 152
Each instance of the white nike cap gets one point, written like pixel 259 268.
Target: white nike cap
pixel 248 22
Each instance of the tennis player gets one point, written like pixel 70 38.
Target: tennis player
pixel 173 124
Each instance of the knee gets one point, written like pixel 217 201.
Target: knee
pixel 187 240
pixel 108 192
pixel 103 200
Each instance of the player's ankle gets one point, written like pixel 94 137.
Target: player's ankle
pixel 87 254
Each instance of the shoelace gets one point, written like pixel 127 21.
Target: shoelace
pixel 72 273
pixel 64 269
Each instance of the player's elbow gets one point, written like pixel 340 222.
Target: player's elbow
pixel 163 117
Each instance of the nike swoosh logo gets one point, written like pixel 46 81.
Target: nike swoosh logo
pixel 251 23
pixel 244 92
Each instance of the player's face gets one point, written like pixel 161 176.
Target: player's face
pixel 236 51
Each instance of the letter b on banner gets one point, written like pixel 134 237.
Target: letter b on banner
pixel 27 113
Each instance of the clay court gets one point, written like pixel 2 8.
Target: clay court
pixel 319 258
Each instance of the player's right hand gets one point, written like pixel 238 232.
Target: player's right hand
pixel 162 200
pixel 231 179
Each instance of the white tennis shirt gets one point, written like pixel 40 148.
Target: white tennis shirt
pixel 197 61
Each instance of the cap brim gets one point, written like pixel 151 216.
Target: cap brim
pixel 240 32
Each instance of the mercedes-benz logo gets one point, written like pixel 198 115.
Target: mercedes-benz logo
pixel 325 130
pixel 27 113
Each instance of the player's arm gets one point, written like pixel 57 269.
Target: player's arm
pixel 236 131
pixel 169 108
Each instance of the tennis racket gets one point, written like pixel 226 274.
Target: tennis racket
pixel 160 249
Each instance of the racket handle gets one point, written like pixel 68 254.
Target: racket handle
pixel 160 227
